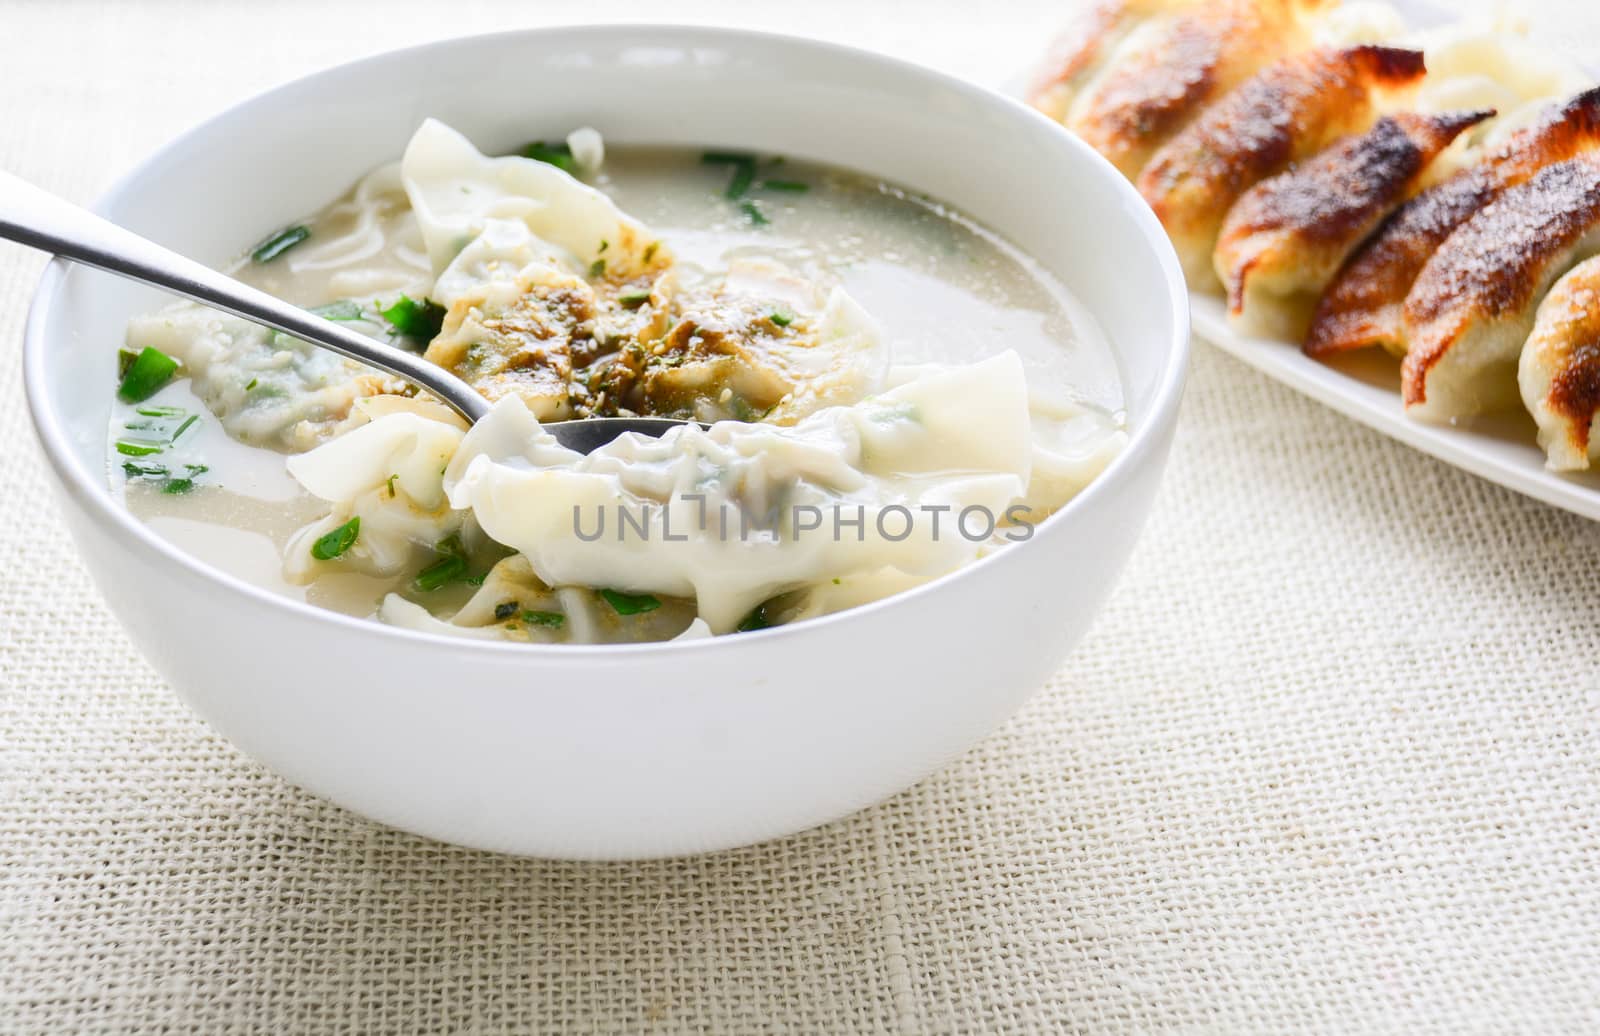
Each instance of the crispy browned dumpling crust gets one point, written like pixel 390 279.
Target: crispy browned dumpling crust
pixel 1284 114
pixel 1149 96
pixel 1293 230
pixel 1487 276
pixel 1077 51
pixel 1364 305
pixel 1560 367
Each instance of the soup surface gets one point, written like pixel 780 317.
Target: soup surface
pixel 930 288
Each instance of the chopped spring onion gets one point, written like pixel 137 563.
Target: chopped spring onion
pixel 558 155
pixel 191 419
pixel 756 620
pixel 390 483
pixel 450 565
pixel 132 470
pixel 333 544
pixel 597 268
pixel 781 317
pixel 162 411
pixel 446 570
pixel 175 486
pixel 274 245
pixel 253 383
pixel 419 320
pixel 744 171
pixel 506 609
pixel 633 298
pixel 753 211
pixel 630 604
pixel 549 620
pixel 149 370
pixel 650 251
pixel 139 447
pixel 344 309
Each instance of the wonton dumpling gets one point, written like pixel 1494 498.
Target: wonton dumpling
pixel 1283 115
pixel 1365 304
pixel 1170 68
pixel 266 388
pixel 1286 238
pixel 1473 304
pixel 1559 372
pixel 387 473
pixel 955 439
pixel 455 191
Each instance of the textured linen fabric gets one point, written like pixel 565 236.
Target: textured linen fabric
pixel 1328 761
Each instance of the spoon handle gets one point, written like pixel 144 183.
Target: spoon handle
pixel 39 219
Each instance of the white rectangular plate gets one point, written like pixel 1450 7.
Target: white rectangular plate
pixel 1365 385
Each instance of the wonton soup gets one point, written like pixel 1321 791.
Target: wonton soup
pixel 885 391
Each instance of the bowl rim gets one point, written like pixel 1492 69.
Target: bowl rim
pixel 1143 440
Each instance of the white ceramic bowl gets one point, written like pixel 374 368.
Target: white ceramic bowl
pixel 645 750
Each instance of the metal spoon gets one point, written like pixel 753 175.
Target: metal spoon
pixel 39 219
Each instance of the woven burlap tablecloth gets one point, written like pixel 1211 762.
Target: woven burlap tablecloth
pixel 1329 760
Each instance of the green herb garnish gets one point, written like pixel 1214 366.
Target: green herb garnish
pixel 558 155
pixel 506 609
pixel 450 565
pixel 390 483
pixel 633 298
pixel 756 620
pixel 335 543
pixel 650 251
pixel 753 211
pixel 147 372
pixel 446 570
pixel 630 604
pixel 184 427
pixel 744 171
pixel 344 309
pixel 132 470
pixel 139 447
pixel 549 620
pixel 597 268
pixel 782 318
pixel 253 383
pixel 175 486
pixel 419 320
pixel 162 411
pixel 794 186
pixel 278 243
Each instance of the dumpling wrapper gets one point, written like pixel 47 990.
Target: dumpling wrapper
pixel 455 191
pixel 387 473
pixel 1285 114
pixel 1559 372
pixel 954 440
pixel 1473 305
pixel 266 388
pixel 1285 239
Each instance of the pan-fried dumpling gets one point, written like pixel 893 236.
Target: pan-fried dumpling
pixel 1473 304
pixel 1283 115
pixel 1086 46
pixel 1170 68
pixel 1365 304
pixel 1287 236
pixel 1559 372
